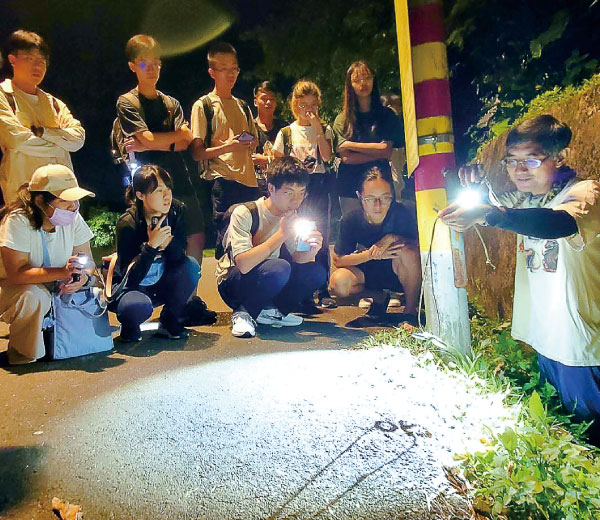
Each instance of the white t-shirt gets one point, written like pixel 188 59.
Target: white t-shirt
pixel 240 240
pixel 303 144
pixel 557 281
pixel 16 233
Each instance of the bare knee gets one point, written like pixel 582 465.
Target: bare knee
pixel 340 283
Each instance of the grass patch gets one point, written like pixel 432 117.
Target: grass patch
pixel 540 468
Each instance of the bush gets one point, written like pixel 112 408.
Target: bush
pixel 102 222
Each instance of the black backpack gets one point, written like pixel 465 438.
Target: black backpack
pixel 117 138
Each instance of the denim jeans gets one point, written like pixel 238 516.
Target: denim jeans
pixel 274 282
pixel 173 290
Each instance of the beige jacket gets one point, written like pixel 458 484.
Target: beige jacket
pixel 22 151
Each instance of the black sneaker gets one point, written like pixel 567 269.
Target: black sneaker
pixel 197 313
pixel 379 309
pixel 130 335
pixel 326 301
pixel 164 332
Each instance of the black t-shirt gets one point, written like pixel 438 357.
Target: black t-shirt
pixel 154 117
pixel 357 232
pixel 369 127
pixel 269 135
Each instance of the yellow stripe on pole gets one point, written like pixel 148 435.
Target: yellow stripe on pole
pixel 406 80
pixel 429 202
pixel 434 125
pixel 429 61
pixel 430 149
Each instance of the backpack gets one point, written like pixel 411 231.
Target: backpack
pixel 117 138
pixel 209 113
pixel 253 208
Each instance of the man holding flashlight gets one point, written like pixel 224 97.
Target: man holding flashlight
pixel 557 280
pixel 264 275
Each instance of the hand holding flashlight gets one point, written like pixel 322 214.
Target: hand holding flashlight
pixel 471 175
pixel 80 261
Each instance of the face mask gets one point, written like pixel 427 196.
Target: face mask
pixel 63 217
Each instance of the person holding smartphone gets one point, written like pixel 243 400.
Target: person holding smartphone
pixel 310 141
pixel 151 244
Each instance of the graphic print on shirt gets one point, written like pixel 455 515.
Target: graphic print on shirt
pixel 540 253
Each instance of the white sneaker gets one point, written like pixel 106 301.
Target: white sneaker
pixel 365 303
pixel 242 325
pixel 274 318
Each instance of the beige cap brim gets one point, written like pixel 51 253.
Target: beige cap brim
pixel 72 194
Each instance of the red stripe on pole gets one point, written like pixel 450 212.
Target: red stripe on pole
pixel 428 175
pixel 425 24
pixel 432 98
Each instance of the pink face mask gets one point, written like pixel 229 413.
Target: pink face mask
pixel 63 217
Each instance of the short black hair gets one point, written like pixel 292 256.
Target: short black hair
pixel 287 170
pixel 141 44
pixel 383 171
pixel 22 40
pixel 545 130
pixel 219 48
pixel 264 86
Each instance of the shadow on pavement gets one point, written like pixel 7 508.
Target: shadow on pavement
pixel 311 331
pixel 91 363
pixel 153 345
pixel 18 468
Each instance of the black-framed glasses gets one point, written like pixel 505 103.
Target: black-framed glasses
pixel 384 200
pixel 530 164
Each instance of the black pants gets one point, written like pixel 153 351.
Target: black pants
pixel 317 207
pixel 224 195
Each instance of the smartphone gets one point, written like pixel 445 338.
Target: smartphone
pixel 82 260
pixel 154 222
pixel 245 137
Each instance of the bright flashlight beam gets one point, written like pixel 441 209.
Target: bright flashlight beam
pixel 188 26
pixel 468 199
pixel 303 227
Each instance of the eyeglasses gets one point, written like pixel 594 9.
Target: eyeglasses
pixel 294 194
pixel 33 60
pixel 145 64
pixel 384 200
pixel 235 70
pixel 308 107
pixel 530 164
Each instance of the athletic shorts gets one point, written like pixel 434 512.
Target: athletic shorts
pixel 379 274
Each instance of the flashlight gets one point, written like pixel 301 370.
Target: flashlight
pixel 82 260
pixel 468 198
pixel 133 165
pixel 303 228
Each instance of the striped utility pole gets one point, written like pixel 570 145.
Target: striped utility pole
pixel 430 151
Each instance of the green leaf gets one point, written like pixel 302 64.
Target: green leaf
pixel 508 439
pixel 536 408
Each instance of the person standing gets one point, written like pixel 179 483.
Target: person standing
pixel 225 137
pixel 366 133
pixel 267 125
pixel 36 128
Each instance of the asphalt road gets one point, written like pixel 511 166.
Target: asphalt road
pixel 290 424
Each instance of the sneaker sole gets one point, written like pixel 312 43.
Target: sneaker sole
pixel 277 324
pixel 244 335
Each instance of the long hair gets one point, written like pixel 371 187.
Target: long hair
pixel 25 204
pixel 351 99
pixel 145 180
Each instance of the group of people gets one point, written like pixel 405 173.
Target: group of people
pixel 271 201
pixel 271 192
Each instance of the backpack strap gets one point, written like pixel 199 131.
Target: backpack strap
pixel 209 113
pixel 170 105
pixel 10 97
pixel 246 109
pixel 253 208
pixel 286 133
